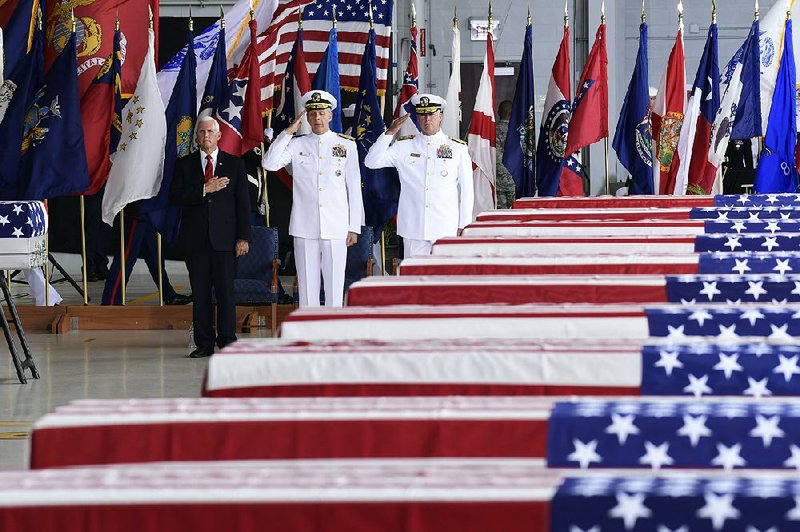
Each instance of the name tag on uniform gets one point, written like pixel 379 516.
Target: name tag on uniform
pixel 416 155
pixel 444 152
pixel 339 151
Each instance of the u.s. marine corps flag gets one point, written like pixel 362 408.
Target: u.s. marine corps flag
pixel 95 21
pixel 137 170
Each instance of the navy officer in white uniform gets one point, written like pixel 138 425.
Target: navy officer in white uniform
pixel 436 193
pixel 327 209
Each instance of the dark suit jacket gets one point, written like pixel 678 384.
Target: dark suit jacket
pixel 222 217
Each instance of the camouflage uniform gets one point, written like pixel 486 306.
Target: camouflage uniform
pixel 506 189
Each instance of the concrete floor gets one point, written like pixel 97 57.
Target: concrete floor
pixel 95 364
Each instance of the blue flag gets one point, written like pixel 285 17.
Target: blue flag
pixel 327 78
pixel 747 123
pixel 114 78
pixel 18 34
pixel 380 188
pixel 52 141
pixel 284 113
pixel 520 150
pixel 217 82
pixel 776 168
pixel 633 138
pixel 181 117
pixel 27 76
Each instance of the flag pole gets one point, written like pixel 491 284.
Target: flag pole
pixel 46 264
pixel 160 272
pixel 83 251
pixel 122 253
pixel 605 143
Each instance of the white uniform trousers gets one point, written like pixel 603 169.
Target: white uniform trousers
pixel 35 279
pixel 329 255
pixel 415 248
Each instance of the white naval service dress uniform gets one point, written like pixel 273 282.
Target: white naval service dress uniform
pixel 436 193
pixel 326 204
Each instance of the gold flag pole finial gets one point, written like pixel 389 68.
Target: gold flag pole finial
pixel 680 15
pixel 72 19
pixel 603 12
pixel 371 21
pixel 490 17
pixel 789 9
pixel 713 11
pixel 530 20
pixel 644 14
pixel 252 12
pixel 335 19
pixel 757 14
pixel 413 15
pixel 300 17
pixel 191 22
pixel 566 13
pixel 116 22
pixel 150 17
pixel 455 17
pixel 221 17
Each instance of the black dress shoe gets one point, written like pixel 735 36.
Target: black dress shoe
pixel 179 299
pixel 201 352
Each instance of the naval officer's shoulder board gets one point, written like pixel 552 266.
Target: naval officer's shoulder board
pixel 454 139
pixel 406 137
pixel 347 137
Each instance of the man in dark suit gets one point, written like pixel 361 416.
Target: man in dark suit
pixel 211 186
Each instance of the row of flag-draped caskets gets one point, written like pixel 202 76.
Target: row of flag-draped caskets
pixel 334 428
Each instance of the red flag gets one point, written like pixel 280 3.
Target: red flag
pixel 252 124
pixel 668 112
pixel 589 121
pixel 95 21
pixel 240 114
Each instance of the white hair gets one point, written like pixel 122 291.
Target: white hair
pixel 206 118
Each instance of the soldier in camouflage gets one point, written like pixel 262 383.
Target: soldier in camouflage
pixel 506 189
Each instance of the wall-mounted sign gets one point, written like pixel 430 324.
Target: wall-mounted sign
pixel 479 28
pixel 422 42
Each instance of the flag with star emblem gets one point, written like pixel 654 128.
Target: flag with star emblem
pixel 101 109
pixel 381 187
pixel 589 121
pixel 633 138
pixel 481 137
pixel 750 263
pixel 667 116
pixel 22 219
pixel 749 369
pixel 181 117
pixel 677 503
pixel 690 159
pixel 727 323
pixel 353 30
pixel 640 433
pixel 555 123
pixel 758 200
pixel 240 116
pixel 52 143
pixel 137 170
pixel 296 83
pixel 776 166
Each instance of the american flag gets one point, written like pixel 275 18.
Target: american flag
pixel 22 219
pixel 727 323
pixel 749 369
pixel 745 289
pixel 275 43
pixel 750 214
pixel 757 263
pixel 651 434
pixel 676 504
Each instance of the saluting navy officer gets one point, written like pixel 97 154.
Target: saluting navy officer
pixel 435 171
pixel 327 210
